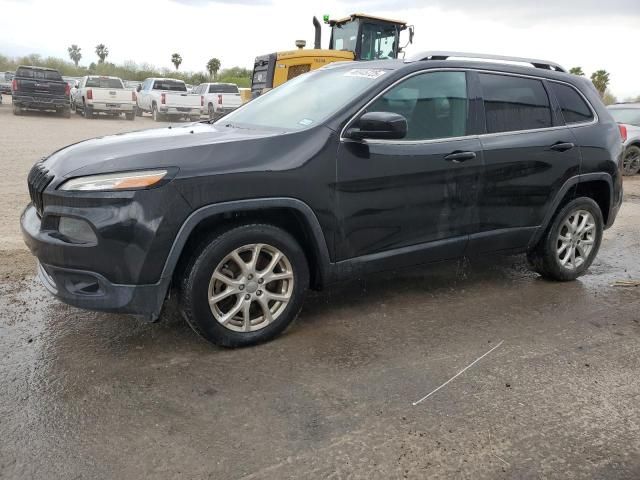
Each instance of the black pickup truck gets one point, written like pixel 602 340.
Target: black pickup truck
pixel 40 88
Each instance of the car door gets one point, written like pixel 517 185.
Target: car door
pixel 414 197
pixel 528 153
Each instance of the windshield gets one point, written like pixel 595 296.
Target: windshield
pixel 630 116
pixel 378 41
pixel 169 85
pixel 307 100
pixel 98 82
pixel 345 36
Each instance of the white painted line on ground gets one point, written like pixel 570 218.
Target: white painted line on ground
pixel 457 374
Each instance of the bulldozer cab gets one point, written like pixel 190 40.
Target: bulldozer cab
pixel 368 37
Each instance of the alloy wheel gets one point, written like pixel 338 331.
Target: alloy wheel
pixel 251 287
pixel 575 240
pixel 631 162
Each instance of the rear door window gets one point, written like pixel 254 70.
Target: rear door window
pixel 514 103
pixel 574 108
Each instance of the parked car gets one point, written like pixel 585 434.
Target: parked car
pixel 99 94
pixel 5 82
pixel 628 116
pixel 39 88
pixel 167 97
pixel 218 99
pixel 404 163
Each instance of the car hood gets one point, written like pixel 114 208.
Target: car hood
pixel 188 147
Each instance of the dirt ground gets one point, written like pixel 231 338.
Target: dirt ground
pixel 90 395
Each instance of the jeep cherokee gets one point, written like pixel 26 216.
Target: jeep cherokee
pixel 346 170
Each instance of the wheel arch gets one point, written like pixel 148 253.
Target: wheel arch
pixel 597 186
pixel 292 215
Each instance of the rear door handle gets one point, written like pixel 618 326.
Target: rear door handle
pixel 459 157
pixel 562 146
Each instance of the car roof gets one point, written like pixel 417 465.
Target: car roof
pixel 414 65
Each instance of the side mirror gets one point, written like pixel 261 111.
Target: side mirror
pixel 379 125
pixel 138 88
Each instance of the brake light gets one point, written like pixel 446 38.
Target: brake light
pixel 67 89
pixel 163 98
pixel 89 94
pixel 201 100
pixel 219 99
pixel 623 133
pixel 133 96
pixel 14 84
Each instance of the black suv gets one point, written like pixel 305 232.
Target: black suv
pixel 39 88
pixel 350 169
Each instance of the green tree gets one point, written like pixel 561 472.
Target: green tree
pixel 74 54
pixel 213 66
pixel 102 52
pixel 176 59
pixel 609 98
pixel 600 79
pixel 577 71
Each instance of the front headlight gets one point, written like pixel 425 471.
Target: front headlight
pixel 115 181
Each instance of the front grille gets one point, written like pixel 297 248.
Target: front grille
pixel 38 179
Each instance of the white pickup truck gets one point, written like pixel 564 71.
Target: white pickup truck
pixel 98 94
pixel 218 99
pixel 167 97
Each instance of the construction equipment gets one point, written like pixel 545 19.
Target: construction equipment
pixel 356 37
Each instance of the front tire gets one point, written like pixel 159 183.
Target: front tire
pixel 631 161
pixel 244 286
pixel 571 243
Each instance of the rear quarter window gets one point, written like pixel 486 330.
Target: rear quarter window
pixel 574 108
pixel 514 103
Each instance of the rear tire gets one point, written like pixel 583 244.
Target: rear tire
pixel 130 116
pixel 66 112
pixel 157 116
pixel 571 243
pixel 17 109
pixel 246 315
pixel 212 112
pixel 139 112
pixel 631 161
pixel 87 111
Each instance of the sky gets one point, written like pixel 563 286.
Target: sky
pixel 593 34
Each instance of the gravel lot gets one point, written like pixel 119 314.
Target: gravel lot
pixel 92 395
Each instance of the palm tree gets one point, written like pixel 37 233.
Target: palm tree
pixel 176 59
pixel 102 52
pixel 577 71
pixel 213 66
pixel 600 79
pixel 74 54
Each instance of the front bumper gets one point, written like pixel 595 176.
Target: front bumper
pixel 41 103
pixel 92 291
pixel 85 288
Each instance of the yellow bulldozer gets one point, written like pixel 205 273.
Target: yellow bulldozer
pixel 356 37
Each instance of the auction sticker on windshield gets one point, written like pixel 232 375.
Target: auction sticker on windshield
pixel 365 73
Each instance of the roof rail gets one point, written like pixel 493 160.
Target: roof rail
pixel 441 55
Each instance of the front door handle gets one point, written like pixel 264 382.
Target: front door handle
pixel 562 146
pixel 459 157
